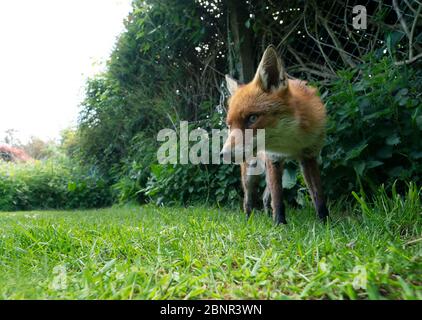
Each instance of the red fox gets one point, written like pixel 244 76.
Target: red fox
pixel 294 120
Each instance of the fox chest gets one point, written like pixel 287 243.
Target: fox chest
pixel 287 139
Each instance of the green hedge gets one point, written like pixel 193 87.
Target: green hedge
pixel 51 185
pixel 373 138
pixel 374 128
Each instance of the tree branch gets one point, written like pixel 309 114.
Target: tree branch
pixel 408 61
pixel 412 31
pixel 323 72
pixel 401 20
pixel 316 40
pixel 343 54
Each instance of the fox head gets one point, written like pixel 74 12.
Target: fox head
pixel 290 112
pixel 259 104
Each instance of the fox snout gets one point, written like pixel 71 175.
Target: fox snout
pixel 240 145
pixel 233 146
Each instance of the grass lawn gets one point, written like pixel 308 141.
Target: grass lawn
pixel 367 251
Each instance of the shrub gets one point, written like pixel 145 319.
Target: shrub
pixel 374 129
pixel 373 138
pixel 51 185
pixel 132 174
pixel 187 184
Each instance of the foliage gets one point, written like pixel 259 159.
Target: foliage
pixel 187 184
pixel 69 143
pixel 39 149
pixel 153 80
pixel 132 175
pixel 212 184
pixel 168 66
pixel 51 185
pixel 374 129
pixel 373 138
pixel 206 253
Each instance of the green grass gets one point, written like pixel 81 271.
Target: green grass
pixel 371 250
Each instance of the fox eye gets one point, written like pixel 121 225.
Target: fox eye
pixel 252 119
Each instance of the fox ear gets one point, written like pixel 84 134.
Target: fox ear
pixel 232 84
pixel 271 75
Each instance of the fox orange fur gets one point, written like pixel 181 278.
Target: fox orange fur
pixel 294 119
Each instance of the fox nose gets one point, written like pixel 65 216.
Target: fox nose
pixel 224 154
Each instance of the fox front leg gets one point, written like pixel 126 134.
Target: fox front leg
pixel 250 185
pixel 274 175
pixel 313 180
pixel 266 200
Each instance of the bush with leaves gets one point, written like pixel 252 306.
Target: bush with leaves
pixel 51 185
pixel 154 79
pixel 133 173
pixel 374 128
pixel 373 138
pixel 168 66
pixel 189 184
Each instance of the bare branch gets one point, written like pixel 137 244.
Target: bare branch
pixel 409 61
pixel 343 54
pixel 400 17
pixel 412 31
pixel 411 8
pixel 294 53
pixel 349 33
pixel 289 33
pixel 304 68
pixel 327 60
pixel 313 71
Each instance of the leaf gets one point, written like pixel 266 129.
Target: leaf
pixel 389 43
pixel 71 186
pixel 195 292
pixel 146 46
pixel 393 38
pixel 364 104
pixel 359 167
pixel 378 114
pixel 404 91
pixel 360 280
pixel 107 266
pixel 360 86
pixel 248 23
pixel 156 169
pixel 289 178
pixel 419 122
pixel 356 151
pixel 403 101
pixel 373 164
pixel 392 140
